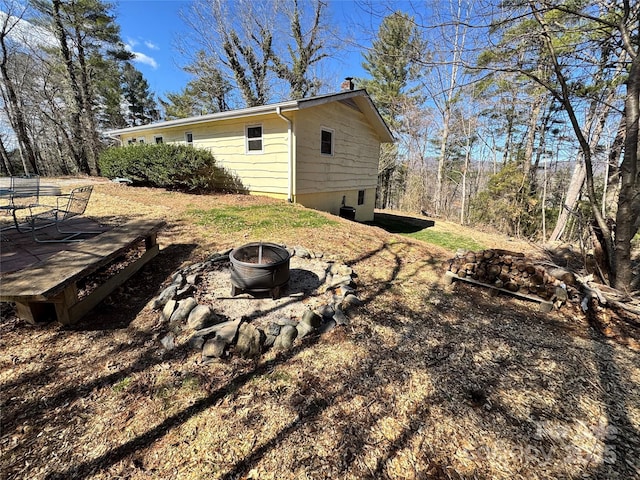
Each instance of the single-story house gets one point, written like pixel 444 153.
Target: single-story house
pixel 315 151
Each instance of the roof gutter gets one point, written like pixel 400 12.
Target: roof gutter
pixel 291 158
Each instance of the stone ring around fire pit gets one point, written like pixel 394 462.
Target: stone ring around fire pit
pixel 196 310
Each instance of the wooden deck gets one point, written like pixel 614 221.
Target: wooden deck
pixel 49 286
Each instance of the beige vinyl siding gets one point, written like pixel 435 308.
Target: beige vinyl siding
pixel 354 163
pixel 265 172
pixel 332 201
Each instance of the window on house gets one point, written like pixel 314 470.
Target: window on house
pixel 131 141
pixel 254 138
pixel 326 142
pixel 141 140
pixel 188 137
pixel 159 139
pixel 360 197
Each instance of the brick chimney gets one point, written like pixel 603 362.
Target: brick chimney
pixel 347 84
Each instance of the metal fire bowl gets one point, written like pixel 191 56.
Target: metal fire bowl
pixel 259 267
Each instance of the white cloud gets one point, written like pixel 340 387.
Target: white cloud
pixel 140 57
pixel 151 45
pixel 144 59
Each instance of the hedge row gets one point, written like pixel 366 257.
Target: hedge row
pixel 176 167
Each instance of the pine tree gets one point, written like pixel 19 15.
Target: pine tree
pixel 86 34
pixel 206 93
pixel 390 64
pixel 141 107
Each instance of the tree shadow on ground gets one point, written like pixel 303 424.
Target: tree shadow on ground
pixel 455 377
pixel 394 223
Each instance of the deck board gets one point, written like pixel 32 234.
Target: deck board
pixel 46 279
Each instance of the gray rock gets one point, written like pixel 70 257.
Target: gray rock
pixel 311 318
pixel 196 343
pixel 200 317
pixel 183 309
pixel 326 311
pixel 286 321
pixel 273 329
pixel 167 294
pixel 185 291
pixel 345 290
pixel 168 309
pixel 168 341
pixel 195 268
pixel 269 340
pixel 287 335
pixel 340 318
pixel 561 294
pixel 327 326
pixel 217 258
pixel 249 342
pixel 301 252
pixel 214 347
pixel 225 330
pixel 352 300
pixel 193 279
pixel 304 329
pixel 339 281
pixel 178 280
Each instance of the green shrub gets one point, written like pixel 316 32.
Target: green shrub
pixel 177 167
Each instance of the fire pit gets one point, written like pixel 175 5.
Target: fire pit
pixel 259 267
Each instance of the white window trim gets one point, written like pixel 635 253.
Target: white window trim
pixel 333 141
pixel 246 139
pixel 186 138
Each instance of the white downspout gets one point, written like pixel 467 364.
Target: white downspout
pixel 290 151
pixel 117 139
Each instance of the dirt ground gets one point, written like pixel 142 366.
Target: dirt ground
pixel 427 382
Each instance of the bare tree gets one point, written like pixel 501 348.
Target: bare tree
pixel 445 80
pixel 246 43
pixel 10 20
pixel 305 53
pixel 609 33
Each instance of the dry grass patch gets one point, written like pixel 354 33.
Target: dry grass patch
pixel 424 383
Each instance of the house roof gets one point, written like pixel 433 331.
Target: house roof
pixel 358 99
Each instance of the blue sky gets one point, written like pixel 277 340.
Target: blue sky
pixel 151 29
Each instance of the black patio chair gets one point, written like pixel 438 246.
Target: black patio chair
pixel 67 207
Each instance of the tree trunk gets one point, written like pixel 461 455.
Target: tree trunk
pixel 76 146
pixel 90 130
pixel 628 216
pixel 5 168
pixel 14 109
pixel 594 123
pixel 586 146
pixel 439 193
